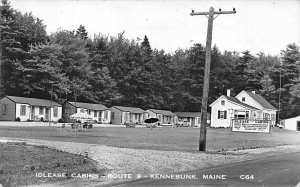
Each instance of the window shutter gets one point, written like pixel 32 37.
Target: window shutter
pixel 219 114
pixel 225 114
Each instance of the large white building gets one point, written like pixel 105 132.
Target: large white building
pixel 291 123
pixel 246 105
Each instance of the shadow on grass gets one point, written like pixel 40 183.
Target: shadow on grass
pixel 25 165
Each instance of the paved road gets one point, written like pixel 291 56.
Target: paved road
pixel 280 171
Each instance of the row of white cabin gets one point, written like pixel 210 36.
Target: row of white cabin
pixel 245 105
pixel 32 109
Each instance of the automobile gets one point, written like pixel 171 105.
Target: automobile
pixel 182 124
pixel 280 126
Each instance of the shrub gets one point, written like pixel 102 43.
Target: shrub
pixel 130 125
pixel 42 119
pixel 61 120
pixel 18 119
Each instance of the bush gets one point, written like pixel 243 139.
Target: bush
pixel 130 125
pixel 18 119
pixel 61 120
pixel 29 120
pixel 42 119
pixel 150 125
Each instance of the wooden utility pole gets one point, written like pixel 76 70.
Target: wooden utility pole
pixel 211 13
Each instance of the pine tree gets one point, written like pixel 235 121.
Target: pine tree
pixel 18 33
pixel 81 32
pixel 146 47
pixel 290 71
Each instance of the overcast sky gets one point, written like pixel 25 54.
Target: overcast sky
pixel 266 25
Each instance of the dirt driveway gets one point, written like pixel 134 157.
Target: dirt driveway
pixel 123 161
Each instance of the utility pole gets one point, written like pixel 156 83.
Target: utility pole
pixel 50 118
pixel 211 13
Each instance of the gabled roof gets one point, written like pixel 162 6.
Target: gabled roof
pixel 261 101
pixel 32 101
pixel 163 112
pixel 130 109
pixel 235 100
pixel 188 114
pixel 89 106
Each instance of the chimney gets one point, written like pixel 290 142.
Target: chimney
pixel 228 92
pixel 253 92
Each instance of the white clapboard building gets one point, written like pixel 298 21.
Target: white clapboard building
pixel 291 123
pixel 246 105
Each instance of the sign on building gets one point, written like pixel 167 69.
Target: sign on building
pixel 250 125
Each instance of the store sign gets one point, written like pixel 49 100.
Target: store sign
pixel 250 125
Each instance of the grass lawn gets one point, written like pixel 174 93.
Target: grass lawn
pixel 20 163
pixel 175 139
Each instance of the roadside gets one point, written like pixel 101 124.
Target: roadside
pixel 124 161
pixel 277 171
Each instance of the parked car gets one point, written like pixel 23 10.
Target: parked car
pixel 182 124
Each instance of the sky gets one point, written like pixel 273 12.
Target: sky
pixel 258 26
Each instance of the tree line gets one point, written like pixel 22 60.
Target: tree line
pixel 114 70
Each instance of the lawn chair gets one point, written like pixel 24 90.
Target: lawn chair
pixel 85 126
pixel 62 126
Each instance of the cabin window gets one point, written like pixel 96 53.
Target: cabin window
pixel 89 112
pixel 266 116
pixel 4 109
pixel 41 111
pixel 243 99
pixel 55 112
pixel 95 113
pixel 272 116
pixel 23 110
pixel 242 114
pixel 222 114
pixel 222 102
pixel 112 115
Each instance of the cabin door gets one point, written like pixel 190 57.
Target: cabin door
pixel 32 113
pixel 47 114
